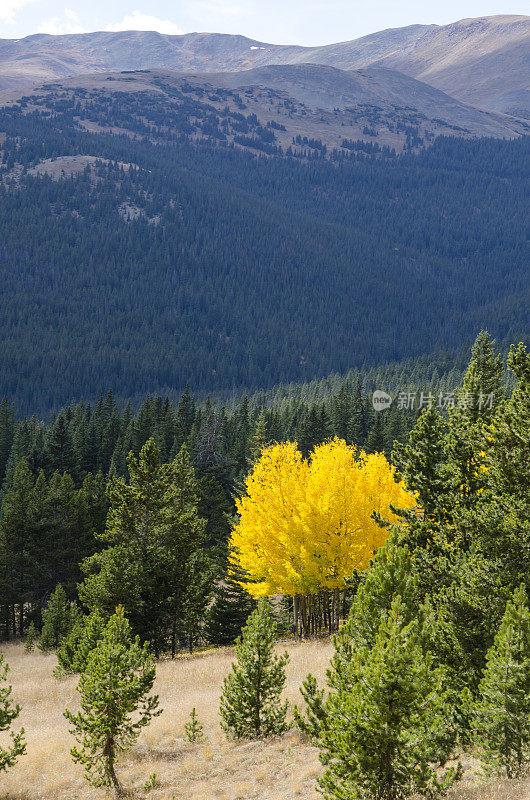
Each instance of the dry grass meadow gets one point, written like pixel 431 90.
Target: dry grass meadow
pixel 277 769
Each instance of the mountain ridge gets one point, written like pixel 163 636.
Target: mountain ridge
pixel 481 61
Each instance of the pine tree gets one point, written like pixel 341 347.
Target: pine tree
pixel 82 639
pixel 229 612
pixel 9 713
pixel 7 434
pixel 193 729
pixel 501 715
pixel 387 729
pixel 251 700
pixel 31 638
pixel 16 564
pixel 196 598
pixel 468 420
pixel 501 517
pixel 258 439
pixel 390 576
pixel 67 649
pixel 313 721
pixel 421 461
pixel 58 619
pixel 153 529
pixel 115 702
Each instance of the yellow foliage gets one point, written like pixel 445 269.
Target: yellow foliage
pixel 305 525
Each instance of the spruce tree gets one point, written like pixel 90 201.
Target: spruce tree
pixel 251 700
pixel 16 565
pixel 258 439
pixel 501 715
pixel 58 618
pixel 115 702
pixel 7 434
pixel 386 731
pixel 196 598
pixel 421 461
pixel 31 638
pixel 229 612
pixel 8 714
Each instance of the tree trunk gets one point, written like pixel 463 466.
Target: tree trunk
pixel 108 752
pixel 296 616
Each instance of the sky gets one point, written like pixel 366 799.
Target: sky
pixel 302 22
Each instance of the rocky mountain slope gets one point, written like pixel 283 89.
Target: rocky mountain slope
pixel 483 62
pixel 45 57
pixel 305 110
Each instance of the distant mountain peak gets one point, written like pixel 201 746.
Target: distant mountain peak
pixel 481 61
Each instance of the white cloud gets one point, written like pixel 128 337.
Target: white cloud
pixel 9 8
pixel 137 21
pixel 68 23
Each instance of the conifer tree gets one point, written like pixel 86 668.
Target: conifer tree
pixel 251 700
pixel 479 398
pixel 115 702
pixel 8 713
pixel 15 545
pixel 31 638
pixel 67 648
pixel 153 529
pixel 502 515
pixel 258 439
pixel 196 598
pixel 391 576
pixel 193 729
pixel 386 729
pixel 58 619
pixel 229 612
pixel 82 639
pixel 59 446
pixel 421 461
pixel 501 715
pixel 7 434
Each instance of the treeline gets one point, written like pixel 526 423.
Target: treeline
pixel 239 271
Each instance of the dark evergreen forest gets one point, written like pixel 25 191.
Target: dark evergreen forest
pixel 204 263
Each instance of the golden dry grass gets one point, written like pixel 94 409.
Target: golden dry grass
pixel 277 769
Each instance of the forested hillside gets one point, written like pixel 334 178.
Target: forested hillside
pixel 171 260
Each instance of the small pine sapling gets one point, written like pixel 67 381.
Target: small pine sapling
pixel 251 700
pixel 32 636
pixel 193 729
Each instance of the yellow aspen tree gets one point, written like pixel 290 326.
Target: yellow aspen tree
pixel 306 526
pixel 344 488
pixel 266 544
